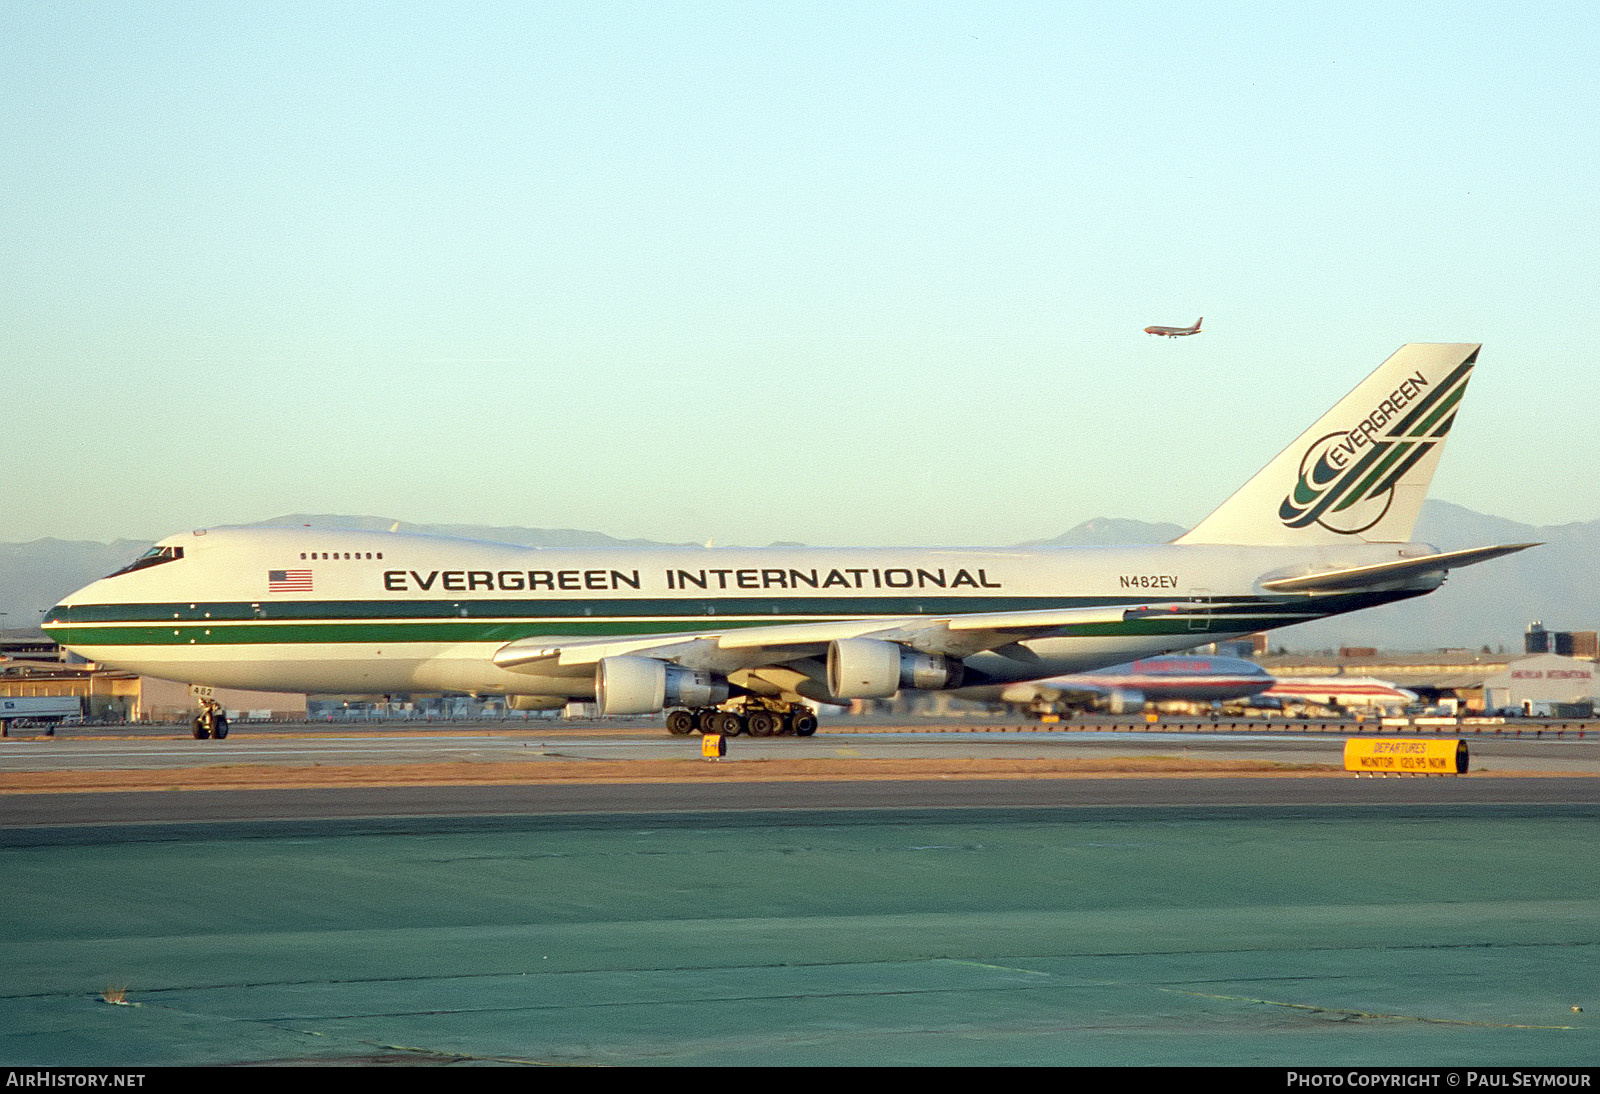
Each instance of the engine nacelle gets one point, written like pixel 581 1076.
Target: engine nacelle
pixel 536 702
pixel 868 668
pixel 1125 701
pixel 643 685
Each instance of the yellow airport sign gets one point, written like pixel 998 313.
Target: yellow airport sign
pixel 1392 756
pixel 713 746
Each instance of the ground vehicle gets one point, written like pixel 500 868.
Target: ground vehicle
pixel 38 708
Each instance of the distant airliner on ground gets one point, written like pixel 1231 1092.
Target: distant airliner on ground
pixel 1176 332
pixel 1125 689
pixel 1341 691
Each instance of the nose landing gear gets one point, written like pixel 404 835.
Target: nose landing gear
pixel 211 722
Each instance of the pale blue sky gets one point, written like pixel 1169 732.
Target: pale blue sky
pixel 836 273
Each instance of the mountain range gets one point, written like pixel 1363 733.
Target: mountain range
pixel 1486 605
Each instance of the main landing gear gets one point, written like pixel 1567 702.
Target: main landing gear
pixel 758 718
pixel 211 722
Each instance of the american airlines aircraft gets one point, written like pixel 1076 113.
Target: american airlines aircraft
pixel 1125 689
pixel 737 639
pixel 1340 691
pixel 1176 332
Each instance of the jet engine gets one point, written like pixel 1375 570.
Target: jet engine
pixel 1124 701
pixel 643 685
pixel 868 668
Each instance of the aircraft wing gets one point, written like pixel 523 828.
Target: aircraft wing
pixel 743 647
pixel 1358 577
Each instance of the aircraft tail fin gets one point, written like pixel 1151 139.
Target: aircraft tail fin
pixel 1361 472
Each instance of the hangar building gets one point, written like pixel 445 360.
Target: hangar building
pixel 1545 684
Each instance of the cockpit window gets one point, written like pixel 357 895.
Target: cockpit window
pixel 155 556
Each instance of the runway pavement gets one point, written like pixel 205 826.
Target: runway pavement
pixel 308 772
pixel 148 748
pixel 603 895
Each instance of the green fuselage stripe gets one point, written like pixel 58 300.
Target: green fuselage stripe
pixel 667 610
pixel 383 622
pixel 386 633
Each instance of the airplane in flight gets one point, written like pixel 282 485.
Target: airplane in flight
pixel 732 640
pixel 1176 332
pixel 1126 688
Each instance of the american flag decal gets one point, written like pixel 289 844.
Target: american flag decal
pixel 288 581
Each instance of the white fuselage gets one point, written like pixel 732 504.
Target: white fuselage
pixel 1340 691
pixel 368 612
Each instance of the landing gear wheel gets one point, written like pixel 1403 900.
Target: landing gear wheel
pixel 764 724
pixel 202 732
pixel 219 727
pixel 805 723
pixel 680 723
pixel 727 723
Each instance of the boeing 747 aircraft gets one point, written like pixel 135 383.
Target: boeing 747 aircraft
pixel 1176 332
pixel 733 639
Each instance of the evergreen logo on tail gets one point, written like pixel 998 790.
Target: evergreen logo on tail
pixel 1347 479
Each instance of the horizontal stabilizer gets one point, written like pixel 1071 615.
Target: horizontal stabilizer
pixel 1358 577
